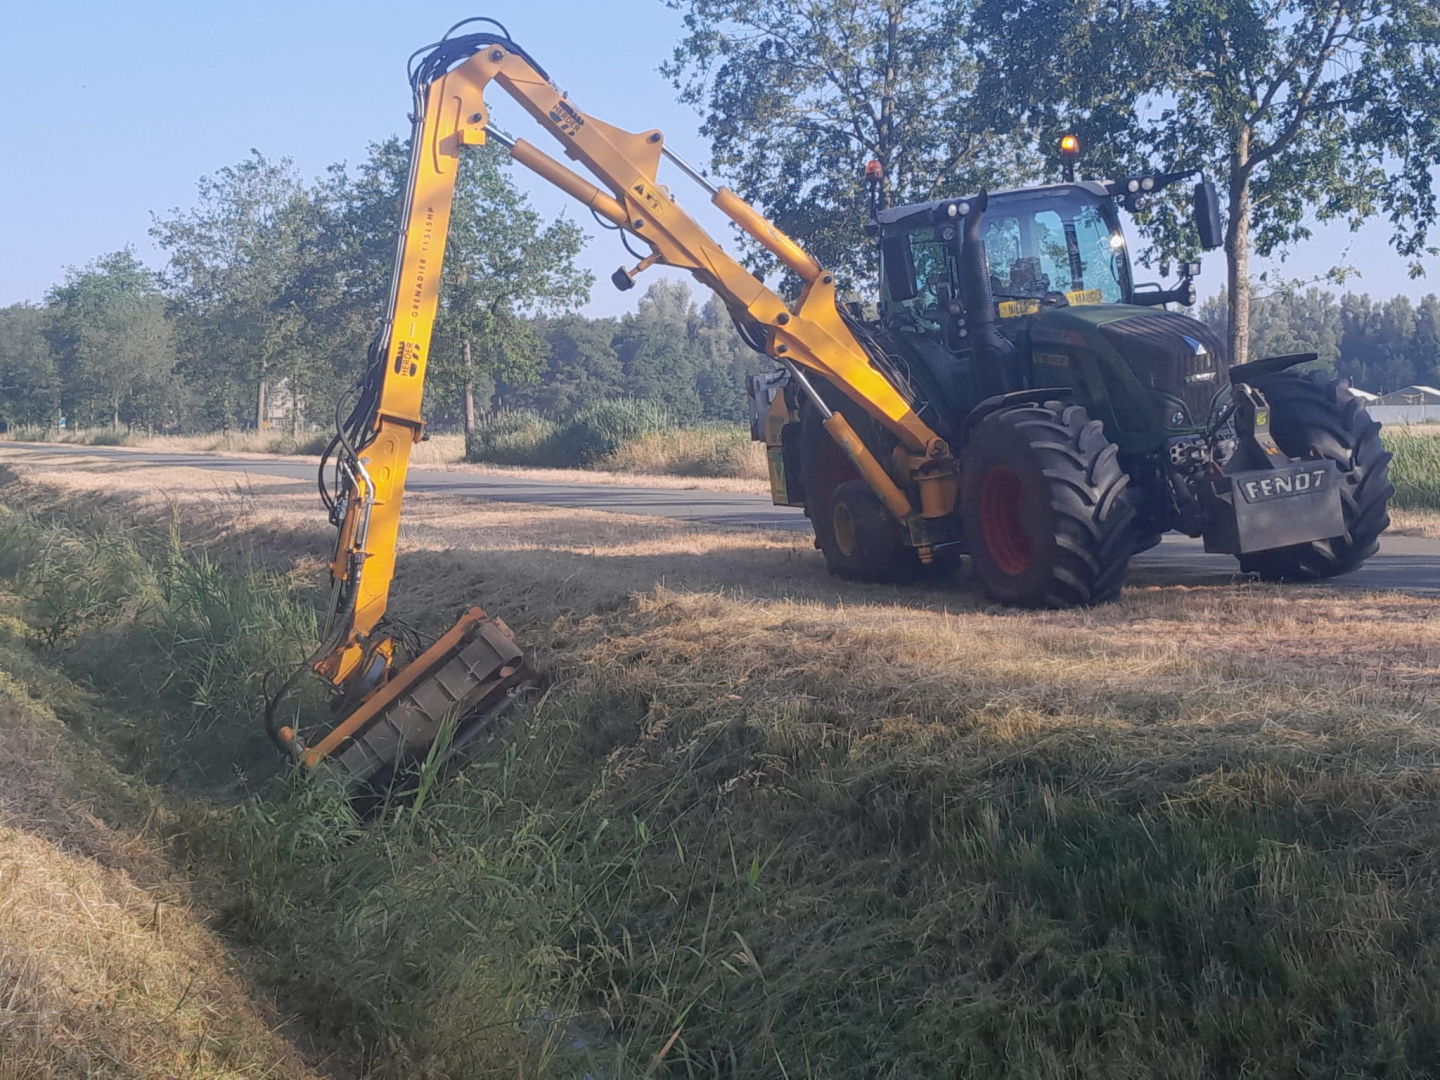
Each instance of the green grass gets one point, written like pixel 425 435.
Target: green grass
pixel 624 436
pixel 741 839
pixel 514 437
pixel 253 442
pixel 1415 468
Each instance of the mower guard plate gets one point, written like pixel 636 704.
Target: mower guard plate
pixel 472 673
pixel 1261 509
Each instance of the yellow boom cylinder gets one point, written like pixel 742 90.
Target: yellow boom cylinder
pixel 774 241
pixel 874 473
pixel 537 161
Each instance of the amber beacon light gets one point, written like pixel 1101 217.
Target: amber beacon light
pixel 1069 151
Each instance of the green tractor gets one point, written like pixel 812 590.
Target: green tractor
pixel 1086 417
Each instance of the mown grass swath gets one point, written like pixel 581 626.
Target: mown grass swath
pixel 773 837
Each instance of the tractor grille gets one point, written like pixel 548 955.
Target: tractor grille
pixel 1173 354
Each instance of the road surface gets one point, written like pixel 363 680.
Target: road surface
pixel 1405 563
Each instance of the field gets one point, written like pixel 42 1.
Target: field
pixel 760 824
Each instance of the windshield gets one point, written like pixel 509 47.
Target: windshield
pixel 1066 244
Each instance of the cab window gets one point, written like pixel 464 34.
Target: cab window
pixel 1057 246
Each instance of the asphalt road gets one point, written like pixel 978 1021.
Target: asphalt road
pixel 1408 564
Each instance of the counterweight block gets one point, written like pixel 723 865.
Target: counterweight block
pixel 473 673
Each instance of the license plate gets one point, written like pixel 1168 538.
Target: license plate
pixel 1281 485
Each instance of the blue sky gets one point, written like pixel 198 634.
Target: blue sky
pixel 109 111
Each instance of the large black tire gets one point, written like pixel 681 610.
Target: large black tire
pixel 869 545
pixel 1314 416
pixel 1043 502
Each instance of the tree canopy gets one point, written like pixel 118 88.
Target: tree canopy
pixel 797 98
pixel 1379 345
pixel 1301 110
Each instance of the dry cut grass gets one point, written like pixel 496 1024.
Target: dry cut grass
pixel 765 824
pixel 446 452
pixel 106 970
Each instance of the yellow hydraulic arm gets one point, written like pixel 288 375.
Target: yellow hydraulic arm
pixel 808 335
pixel 477 664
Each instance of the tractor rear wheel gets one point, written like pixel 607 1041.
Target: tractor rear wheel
pixel 1313 416
pixel 1043 502
pixel 859 538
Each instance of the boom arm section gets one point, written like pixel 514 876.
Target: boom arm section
pixel 810 335
pixel 475 666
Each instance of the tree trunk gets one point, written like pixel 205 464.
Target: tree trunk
pixel 885 136
pixel 294 412
pixel 469 393
pixel 115 413
pixel 1237 250
pixel 260 406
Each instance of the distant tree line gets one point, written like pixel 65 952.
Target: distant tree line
pixel 274 288
pixel 1379 345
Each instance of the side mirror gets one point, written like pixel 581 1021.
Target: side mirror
pixel 1207 216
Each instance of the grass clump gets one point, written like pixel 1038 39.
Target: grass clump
pixel 600 429
pixel 302 445
pixel 623 436
pixel 137 615
pixel 713 451
pixel 513 437
pixel 1415 468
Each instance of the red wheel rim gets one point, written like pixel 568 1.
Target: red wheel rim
pixel 1002 496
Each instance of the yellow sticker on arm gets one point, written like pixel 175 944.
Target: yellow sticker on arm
pixel 1011 309
pixel 1085 296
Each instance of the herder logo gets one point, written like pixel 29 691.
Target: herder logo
pixel 566 117
pixel 1283 484
pixel 407 358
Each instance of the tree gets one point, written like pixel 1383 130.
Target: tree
pixel 655 349
pixel 1289 321
pixel 502 264
pixel 725 361
pixel 1378 345
pixel 581 367
pixel 113 342
pixel 233 257
pixel 1300 109
pixel 29 385
pixel 798 97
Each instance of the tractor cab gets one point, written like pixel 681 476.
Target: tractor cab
pixel 1049 246
pixel 995 294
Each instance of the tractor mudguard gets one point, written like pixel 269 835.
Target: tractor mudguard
pixel 1269 365
pixel 1008 401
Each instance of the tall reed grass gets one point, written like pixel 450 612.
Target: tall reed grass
pixel 1415 468
pixel 623 436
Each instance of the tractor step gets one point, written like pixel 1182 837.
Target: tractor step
pixel 473 673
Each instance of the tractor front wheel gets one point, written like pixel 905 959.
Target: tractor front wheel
pixel 1312 416
pixel 1042 501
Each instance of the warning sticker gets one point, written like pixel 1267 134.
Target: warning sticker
pixel 649 194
